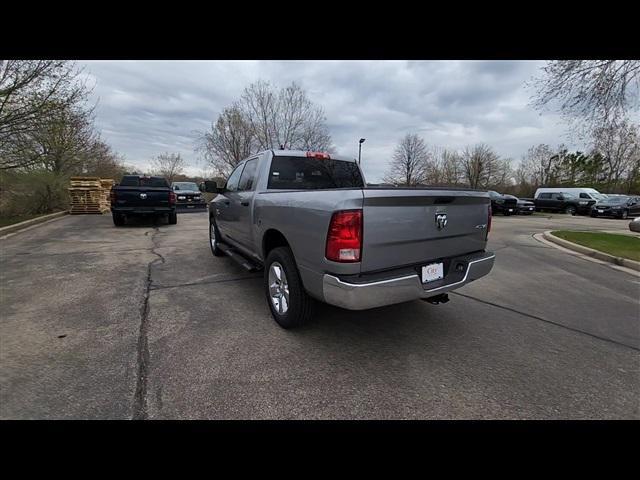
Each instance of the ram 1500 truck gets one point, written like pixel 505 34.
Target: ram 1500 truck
pixel 137 195
pixel 319 233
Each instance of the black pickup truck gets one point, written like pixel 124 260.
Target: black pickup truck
pixel 563 202
pixel 138 195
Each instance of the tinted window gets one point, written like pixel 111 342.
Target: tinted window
pixel 544 195
pixel 185 186
pixel 298 173
pixel 232 183
pixel 585 195
pixel 135 181
pixel 248 177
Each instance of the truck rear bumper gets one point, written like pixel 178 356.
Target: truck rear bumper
pixel 361 296
pixel 143 210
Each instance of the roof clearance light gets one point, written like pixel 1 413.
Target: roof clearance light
pixel 321 155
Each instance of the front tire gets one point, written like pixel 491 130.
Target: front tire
pixel 118 219
pixel 288 301
pixel 214 239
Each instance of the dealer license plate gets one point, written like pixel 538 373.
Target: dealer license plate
pixel 432 272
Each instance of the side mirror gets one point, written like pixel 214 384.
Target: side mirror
pixel 201 187
pixel 211 186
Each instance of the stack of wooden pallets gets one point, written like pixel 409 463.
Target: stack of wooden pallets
pixel 89 195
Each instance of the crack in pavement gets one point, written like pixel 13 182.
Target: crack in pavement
pixel 140 406
pixel 535 317
pixel 224 280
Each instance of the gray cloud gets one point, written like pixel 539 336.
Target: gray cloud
pixel 147 107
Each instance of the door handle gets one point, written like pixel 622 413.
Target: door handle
pixel 244 204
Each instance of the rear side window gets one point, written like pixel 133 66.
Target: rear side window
pixel 248 177
pixel 302 173
pixel 544 195
pixel 134 181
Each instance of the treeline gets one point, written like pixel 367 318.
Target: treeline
pixel 612 165
pixel 47 134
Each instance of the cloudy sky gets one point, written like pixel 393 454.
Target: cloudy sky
pixel 148 107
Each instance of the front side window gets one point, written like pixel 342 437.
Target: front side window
pixel 248 177
pixel 234 178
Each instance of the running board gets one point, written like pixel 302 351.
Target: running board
pixel 238 258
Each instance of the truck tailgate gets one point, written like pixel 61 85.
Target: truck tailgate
pixel 400 226
pixel 142 197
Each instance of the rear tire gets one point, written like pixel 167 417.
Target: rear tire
pixel 298 305
pixel 173 218
pixel 118 219
pixel 570 210
pixel 624 215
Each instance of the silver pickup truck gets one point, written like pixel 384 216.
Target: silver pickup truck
pixel 319 232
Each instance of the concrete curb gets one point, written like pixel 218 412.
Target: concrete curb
pixel 29 223
pixel 624 262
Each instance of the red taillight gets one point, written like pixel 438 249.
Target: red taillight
pixel 113 196
pixel 172 198
pixel 489 221
pixel 344 238
pixel 321 155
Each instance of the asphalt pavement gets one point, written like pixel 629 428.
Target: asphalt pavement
pixel 99 322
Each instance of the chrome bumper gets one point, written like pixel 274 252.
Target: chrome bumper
pixel 396 290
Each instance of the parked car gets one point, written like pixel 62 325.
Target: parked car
pixel 618 206
pixel 563 202
pixel 138 195
pixel 505 204
pixel 523 206
pixel 582 193
pixel 188 195
pixel 318 232
pixel 634 225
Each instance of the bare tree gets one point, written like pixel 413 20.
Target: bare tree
pixel 537 165
pixel 228 142
pixel 480 165
pixel 284 118
pixel 32 92
pixel 168 165
pixel 410 163
pixel 619 145
pixel 596 92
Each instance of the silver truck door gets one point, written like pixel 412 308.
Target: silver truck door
pixel 242 204
pixel 224 205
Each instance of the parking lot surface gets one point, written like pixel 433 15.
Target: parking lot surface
pixel 143 322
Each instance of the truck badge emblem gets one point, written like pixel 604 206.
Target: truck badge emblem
pixel 441 220
pixel 143 196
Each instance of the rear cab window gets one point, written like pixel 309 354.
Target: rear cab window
pixel 135 181
pixel 304 173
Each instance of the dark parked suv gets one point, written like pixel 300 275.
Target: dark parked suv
pixel 563 202
pixel 188 195
pixel 505 204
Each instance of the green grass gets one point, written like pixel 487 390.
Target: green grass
pixel 6 221
pixel 627 246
